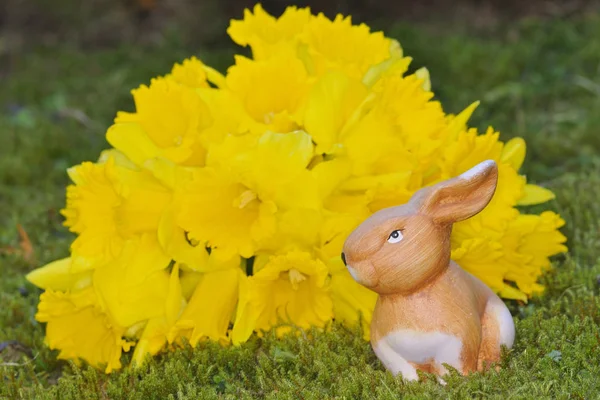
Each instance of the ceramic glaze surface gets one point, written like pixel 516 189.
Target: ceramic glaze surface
pixel 429 311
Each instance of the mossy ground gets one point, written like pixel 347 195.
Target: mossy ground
pixel 536 79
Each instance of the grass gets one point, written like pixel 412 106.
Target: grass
pixel 536 79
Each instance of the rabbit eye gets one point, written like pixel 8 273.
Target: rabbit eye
pixel 395 236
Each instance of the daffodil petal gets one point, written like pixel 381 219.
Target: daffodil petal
pixel 352 301
pixel 330 175
pixel 458 122
pixel 174 297
pixel 152 340
pixel 246 315
pixel 268 35
pixel 57 275
pixel 215 77
pixel 78 329
pixel 534 194
pixel 423 74
pixel 131 139
pixel 195 74
pixel 211 307
pixel 331 102
pixel 135 286
pixel 514 152
pixel 394 65
pixel 509 292
pixel 177 245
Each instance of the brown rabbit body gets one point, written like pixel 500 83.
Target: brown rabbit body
pixel 429 311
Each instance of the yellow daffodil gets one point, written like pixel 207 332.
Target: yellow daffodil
pixel 272 91
pixel 195 74
pixel 218 211
pixel 223 205
pixel 418 120
pixel 80 330
pixel 267 35
pixel 168 121
pixel 90 212
pixel 509 249
pixel 468 149
pixel 541 238
pixel 108 204
pixel 261 176
pixel 273 166
pixel 290 289
pixel 191 73
pixel 340 45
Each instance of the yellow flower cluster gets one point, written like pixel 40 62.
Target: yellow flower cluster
pixel 223 205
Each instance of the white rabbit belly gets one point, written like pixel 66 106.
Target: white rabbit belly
pixel 399 349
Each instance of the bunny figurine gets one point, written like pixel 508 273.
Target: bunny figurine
pixel 429 311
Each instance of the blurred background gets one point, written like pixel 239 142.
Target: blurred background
pixel 98 23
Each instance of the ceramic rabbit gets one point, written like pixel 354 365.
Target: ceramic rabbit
pixel 429 311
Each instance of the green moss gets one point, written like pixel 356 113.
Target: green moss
pixel 554 357
pixel 538 80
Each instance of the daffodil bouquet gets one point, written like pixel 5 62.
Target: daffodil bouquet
pixel 221 209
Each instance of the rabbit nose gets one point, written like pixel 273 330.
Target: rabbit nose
pixel 344 258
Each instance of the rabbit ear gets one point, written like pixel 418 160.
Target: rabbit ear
pixel 462 197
